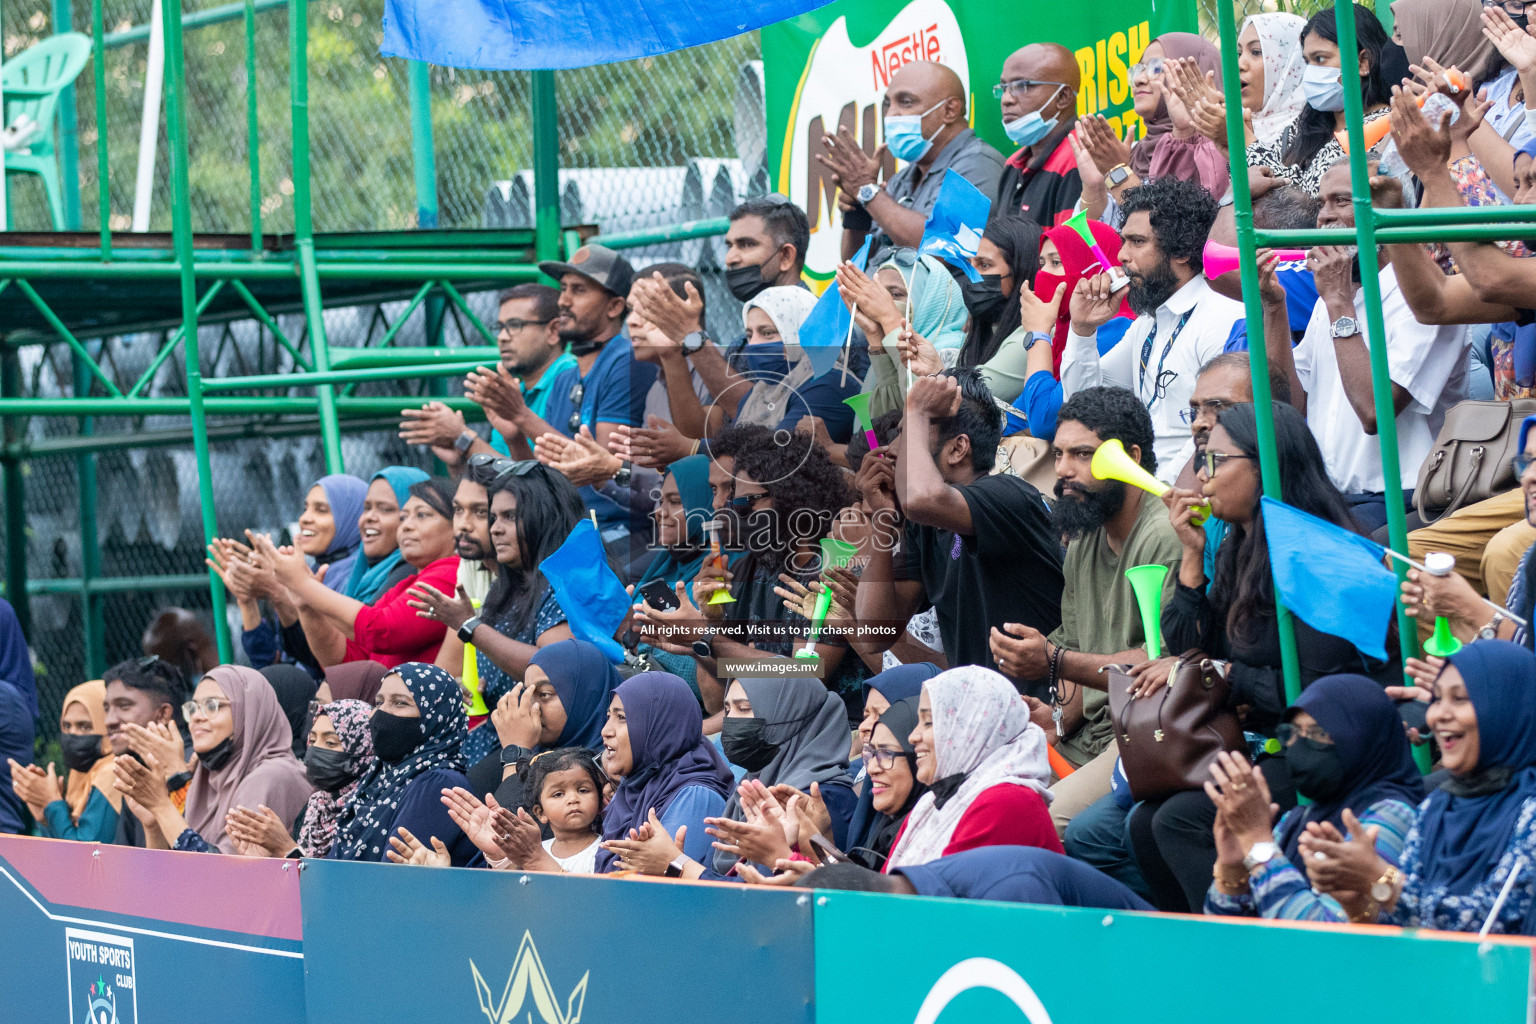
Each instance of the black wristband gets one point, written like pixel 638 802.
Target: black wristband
pixel 857 219
pixel 175 782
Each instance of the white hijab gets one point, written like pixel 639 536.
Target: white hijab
pixel 1280 40
pixel 787 307
pixel 981 728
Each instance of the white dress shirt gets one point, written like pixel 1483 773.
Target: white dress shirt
pixel 1428 362
pixel 1202 338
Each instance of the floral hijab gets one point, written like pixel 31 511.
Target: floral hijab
pixel 1280 40
pixel 982 737
pixel 350 720
pixel 362 828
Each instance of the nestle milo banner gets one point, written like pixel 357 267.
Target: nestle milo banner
pixel 829 69
pixel 962 962
pixel 95 934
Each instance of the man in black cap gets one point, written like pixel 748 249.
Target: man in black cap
pixel 609 386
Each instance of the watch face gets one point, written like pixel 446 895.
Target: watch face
pixel 701 649
pixel 1381 891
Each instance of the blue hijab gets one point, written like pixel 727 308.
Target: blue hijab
pixel 1464 837
pixel 668 751
pixel 366 581
pixel 1367 732
pixel 692 476
pixel 15 661
pixel 362 829
pixel 345 494
pixel 584 679
pixel 895 685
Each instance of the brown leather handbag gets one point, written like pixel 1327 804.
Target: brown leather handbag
pixel 1169 740
pixel 1471 460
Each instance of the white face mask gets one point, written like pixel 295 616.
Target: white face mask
pixel 1323 87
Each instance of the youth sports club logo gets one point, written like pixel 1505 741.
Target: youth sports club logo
pixel 101 978
pixel 528 980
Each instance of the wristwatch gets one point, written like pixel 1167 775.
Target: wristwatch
pixel 513 754
pixel 867 193
pixel 675 868
pixel 705 647
pixel 1381 889
pixel 1034 336
pixel 464 441
pixel 1491 630
pixel 1260 853
pixel 622 476
pixel 1344 327
pixel 175 782
pixel 1117 175
pixel 693 341
pixel 467 630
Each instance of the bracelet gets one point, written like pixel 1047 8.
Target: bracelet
pixel 695 449
pixel 499 865
pixel 1056 657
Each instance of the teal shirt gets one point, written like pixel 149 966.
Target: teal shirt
pixel 537 396
pixel 97 824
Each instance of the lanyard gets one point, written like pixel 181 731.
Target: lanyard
pixel 1146 352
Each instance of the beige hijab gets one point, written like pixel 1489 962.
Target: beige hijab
pixel 77 790
pixel 1450 31
pixel 263 771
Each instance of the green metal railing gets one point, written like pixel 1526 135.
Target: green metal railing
pixel 1372 227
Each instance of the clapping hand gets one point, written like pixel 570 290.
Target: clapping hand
pixel 407 849
pixel 580 459
pixel 1105 148
pixel 431 603
pixel 34 787
pixel 260 832
pixel 650 849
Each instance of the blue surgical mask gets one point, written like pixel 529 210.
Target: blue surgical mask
pixel 763 361
pixel 1031 127
pixel 904 135
pixel 1323 87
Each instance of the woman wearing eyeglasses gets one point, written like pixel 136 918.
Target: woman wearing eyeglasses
pixel 244 750
pixel 1232 617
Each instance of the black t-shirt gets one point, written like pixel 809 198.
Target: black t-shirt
pixel 1008 570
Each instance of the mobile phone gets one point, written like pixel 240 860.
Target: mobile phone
pixel 1413 713
pixel 828 853
pixel 660 596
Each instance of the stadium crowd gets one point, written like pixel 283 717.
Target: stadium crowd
pixel 421 682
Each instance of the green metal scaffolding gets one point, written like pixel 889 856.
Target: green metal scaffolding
pixel 229 276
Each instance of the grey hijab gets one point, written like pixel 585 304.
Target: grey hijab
pixel 809 724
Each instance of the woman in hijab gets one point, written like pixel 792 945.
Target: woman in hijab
pixel 654 745
pixel 1172 145
pixel 904 286
pixel 772 358
pixel 381 565
pixel 353 680
pixel 88 807
pixel 891 761
pixel 295 690
pixel 1345 747
pixel 1474 832
pixel 685 504
pixel 880 691
pixel 340 749
pixel 789 731
pixel 562 701
pixel 985 767
pixel 327 535
pixel 418 729
pixel 1269 66
pixel 1304 149
pixel 244 758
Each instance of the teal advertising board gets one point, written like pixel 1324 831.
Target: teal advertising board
pixel 966 962
pixel 829 68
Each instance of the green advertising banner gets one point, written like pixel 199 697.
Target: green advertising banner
pixel 938 961
pixel 829 68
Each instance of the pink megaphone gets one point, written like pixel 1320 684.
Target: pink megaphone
pixel 1223 259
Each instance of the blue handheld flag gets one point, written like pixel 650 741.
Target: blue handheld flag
pixel 589 592
pixel 955 225
pixel 1332 579
pixel 826 328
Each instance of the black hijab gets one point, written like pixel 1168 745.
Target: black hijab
pixel 901 719
pixel 295 688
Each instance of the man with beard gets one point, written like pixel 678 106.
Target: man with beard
pixel 1180 322
pixel 514 397
pixel 1109 527
pixel 978 548
pixel 472 543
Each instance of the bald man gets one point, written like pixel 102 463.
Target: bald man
pixel 177 636
pixel 1038 93
pixel 927 129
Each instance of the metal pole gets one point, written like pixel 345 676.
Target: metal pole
pixel 304 229
pixel 1258 356
pixel 103 168
pixel 1375 332
pixel 69 130
pixel 423 156
pixel 94 626
pixel 546 167
pixel 15 498
pixel 181 230
pixel 252 124
pixel 149 121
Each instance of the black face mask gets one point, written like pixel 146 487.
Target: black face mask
pixel 1394 63
pixel 219 756
pixel 746 282
pixel 80 752
pixel 1316 770
pixel 984 298
pixel 743 743
pixel 327 769
pixel 394 736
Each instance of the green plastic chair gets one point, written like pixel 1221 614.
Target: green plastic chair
pixel 32 81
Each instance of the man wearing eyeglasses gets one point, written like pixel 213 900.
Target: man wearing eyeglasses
pixel 1038 96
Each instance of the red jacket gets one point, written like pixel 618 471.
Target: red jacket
pixel 391 633
pixel 1005 815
